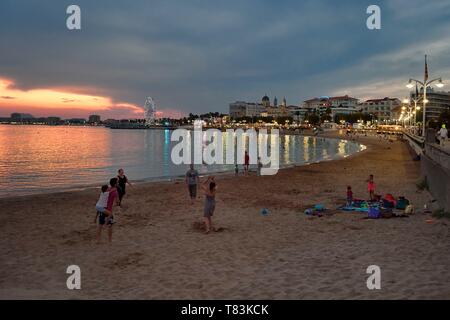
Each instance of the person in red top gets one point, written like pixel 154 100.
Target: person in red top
pixel 349 196
pixel 371 187
pixel 246 162
pixel 113 199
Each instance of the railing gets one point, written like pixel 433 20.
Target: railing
pixel 417 143
pixel 438 155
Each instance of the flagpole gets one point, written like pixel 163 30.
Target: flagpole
pixel 425 78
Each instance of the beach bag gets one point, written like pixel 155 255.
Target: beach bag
pixel 409 209
pixel 388 203
pixel 402 203
pixel 374 213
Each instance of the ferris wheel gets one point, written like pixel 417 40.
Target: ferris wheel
pixel 149 111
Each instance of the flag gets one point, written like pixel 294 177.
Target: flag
pixel 426 69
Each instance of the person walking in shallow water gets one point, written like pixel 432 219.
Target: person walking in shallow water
pixel 209 187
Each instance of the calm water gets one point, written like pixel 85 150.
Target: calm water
pixel 35 159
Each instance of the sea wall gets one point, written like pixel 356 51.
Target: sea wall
pixel 434 166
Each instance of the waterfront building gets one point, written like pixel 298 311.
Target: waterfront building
pixel 322 103
pixel 241 109
pixel 438 102
pixel 21 116
pixel 298 113
pixel 265 101
pixel 94 118
pixel 331 105
pixel 381 109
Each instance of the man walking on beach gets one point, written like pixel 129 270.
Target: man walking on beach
pixel 192 179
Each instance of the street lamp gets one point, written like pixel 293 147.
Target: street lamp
pixel 425 84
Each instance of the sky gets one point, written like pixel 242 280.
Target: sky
pixel 197 56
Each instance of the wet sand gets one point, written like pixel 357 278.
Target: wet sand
pixel 159 251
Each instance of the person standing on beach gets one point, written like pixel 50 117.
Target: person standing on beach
pixel 209 187
pixel 260 165
pixel 192 179
pixel 113 199
pixel 371 187
pixel 123 181
pixel 246 162
pixel 349 196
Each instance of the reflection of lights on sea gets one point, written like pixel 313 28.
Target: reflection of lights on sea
pixel 324 152
pixel 341 148
pixel 166 154
pixel 306 149
pixel 287 159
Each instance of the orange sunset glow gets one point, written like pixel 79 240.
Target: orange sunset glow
pixel 43 101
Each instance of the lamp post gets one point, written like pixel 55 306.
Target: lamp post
pixel 425 84
pixel 416 108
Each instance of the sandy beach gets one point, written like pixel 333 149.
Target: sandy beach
pixel 158 252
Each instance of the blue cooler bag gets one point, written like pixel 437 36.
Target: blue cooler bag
pixel 374 213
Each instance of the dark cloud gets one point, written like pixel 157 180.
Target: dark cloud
pixel 198 56
pixel 7 97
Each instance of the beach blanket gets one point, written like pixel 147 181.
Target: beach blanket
pixel 352 208
pixel 358 206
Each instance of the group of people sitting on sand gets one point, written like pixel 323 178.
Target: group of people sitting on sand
pixel 378 205
pixel 110 196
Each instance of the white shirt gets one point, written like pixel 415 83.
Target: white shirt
pixel 103 199
pixel 443 133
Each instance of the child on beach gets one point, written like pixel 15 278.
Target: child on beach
pixel 103 202
pixel 349 196
pixel 108 220
pixel 371 187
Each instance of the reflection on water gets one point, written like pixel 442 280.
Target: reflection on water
pixel 36 159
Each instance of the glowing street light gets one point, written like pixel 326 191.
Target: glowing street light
pixel 425 84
